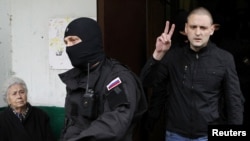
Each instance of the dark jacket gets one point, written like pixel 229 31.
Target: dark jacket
pixel 120 103
pixel 198 83
pixel 35 126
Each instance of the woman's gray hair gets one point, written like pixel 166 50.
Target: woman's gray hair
pixel 11 81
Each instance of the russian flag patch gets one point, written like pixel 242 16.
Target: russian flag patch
pixel 114 83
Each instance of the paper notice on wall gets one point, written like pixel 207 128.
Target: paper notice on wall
pixel 58 58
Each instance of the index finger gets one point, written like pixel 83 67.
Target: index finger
pixel 170 33
pixel 167 31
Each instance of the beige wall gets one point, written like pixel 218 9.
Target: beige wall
pixel 24 44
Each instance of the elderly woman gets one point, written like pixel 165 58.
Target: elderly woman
pixel 20 121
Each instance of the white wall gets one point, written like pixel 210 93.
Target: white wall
pixel 29 54
pixel 5 42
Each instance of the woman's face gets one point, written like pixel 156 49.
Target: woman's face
pixel 17 96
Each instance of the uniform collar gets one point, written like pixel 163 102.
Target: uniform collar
pixel 76 78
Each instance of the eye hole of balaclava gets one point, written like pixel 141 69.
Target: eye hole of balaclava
pixel 90 50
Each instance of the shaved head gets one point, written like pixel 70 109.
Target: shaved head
pixel 201 11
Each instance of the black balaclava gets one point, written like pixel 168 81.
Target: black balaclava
pixel 90 50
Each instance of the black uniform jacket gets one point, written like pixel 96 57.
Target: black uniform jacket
pixel 198 83
pixel 35 127
pixel 120 103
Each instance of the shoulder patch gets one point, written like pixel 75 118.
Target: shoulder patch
pixel 115 82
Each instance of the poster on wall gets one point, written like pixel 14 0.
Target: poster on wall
pixel 58 58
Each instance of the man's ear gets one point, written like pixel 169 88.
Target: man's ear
pixel 185 29
pixel 183 33
pixel 214 27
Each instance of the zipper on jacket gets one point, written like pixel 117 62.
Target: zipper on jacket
pixel 194 71
pixel 184 75
pixel 197 56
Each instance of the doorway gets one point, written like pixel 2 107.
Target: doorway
pixel 131 27
pixel 232 34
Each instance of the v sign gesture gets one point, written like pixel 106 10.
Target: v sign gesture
pixel 163 42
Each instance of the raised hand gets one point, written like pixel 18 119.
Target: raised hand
pixel 163 42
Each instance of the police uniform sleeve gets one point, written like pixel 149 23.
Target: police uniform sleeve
pixel 119 109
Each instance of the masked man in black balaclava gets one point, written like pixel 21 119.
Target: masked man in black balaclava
pixel 89 49
pixel 104 98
